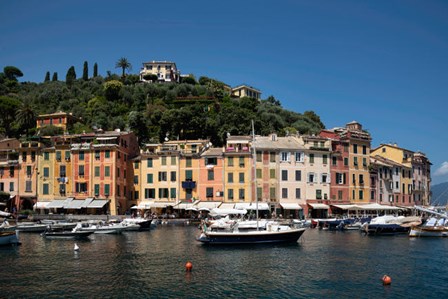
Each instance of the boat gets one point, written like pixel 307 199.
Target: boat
pixel 101 228
pixel 143 223
pixel 391 225
pixel 59 225
pixel 9 238
pixel 6 227
pixel 272 232
pixel 65 234
pixel 435 226
pixel 31 227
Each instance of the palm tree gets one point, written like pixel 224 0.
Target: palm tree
pixel 25 115
pixel 124 64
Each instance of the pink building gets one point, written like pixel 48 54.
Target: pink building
pixel 211 183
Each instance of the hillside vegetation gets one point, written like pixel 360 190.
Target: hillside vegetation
pixel 193 109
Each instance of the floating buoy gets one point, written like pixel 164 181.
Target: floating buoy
pixel 386 280
pixel 76 248
pixel 188 266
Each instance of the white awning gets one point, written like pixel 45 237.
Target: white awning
pixel 41 205
pixel 184 205
pixel 242 205
pixel 106 138
pixel 375 206
pixel 291 206
pixel 98 203
pixel 208 204
pixel 56 204
pixel 67 202
pixel 224 212
pixel 347 207
pixel 319 206
pixel 162 204
pixel 143 205
pixel 262 206
pixel 75 204
pixel 227 206
pixel 87 202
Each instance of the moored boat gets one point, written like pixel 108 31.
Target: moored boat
pixel 432 228
pixel 9 238
pixel 391 225
pixel 31 227
pixel 65 234
pixel 101 228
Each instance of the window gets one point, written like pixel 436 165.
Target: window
pixel 361 179
pixel 58 155
pixel 230 177
pixel 136 165
pixel 136 195
pixel 97 171
pixel 300 156
pixel 364 162
pixel 62 171
pixel 135 179
pixel 345 161
pixel 242 162
pixel 118 190
pixel 107 171
pixel 81 187
pixel 62 189
pixel 259 173
pixel 150 193
pixel 97 189
pixel 259 193
pixel 298 175
pixel 340 178
pixel 334 161
pixel 107 154
pixel 81 155
pixel 45 190
pixel 324 159
pixel 312 178
pixel 364 150
pixel 28 186
pixel 272 157
pixel 318 194
pixel 258 156
pixel 29 171
pixel 81 170
pixel 272 192
pixel 285 156
pixel 97 155
pixel 149 163
pixel 284 192
pixel 284 175
pixel 241 177
pixel 188 174
pixel 162 176
pixel 173 176
pixel 272 173
pixel 163 192
pixel 339 194
pixel 230 161
pixel 188 162
pixel 354 179
pixel 230 194
pixel 311 158
pixel 172 192
pixel 241 194
pixel 355 148
pixel 11 186
pixel 46 156
pixel 355 161
pixel 46 172
pixel 298 193
pixel 372 195
pixel 209 192
pixel 173 161
pixel 106 189
pixel 325 178
pixel 118 172
pixel 361 194
pixel 163 160
pixel 149 178
pixel 210 175
pixel 67 155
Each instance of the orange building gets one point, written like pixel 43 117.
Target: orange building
pixel 59 119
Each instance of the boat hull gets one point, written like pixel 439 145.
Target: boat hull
pixel 429 232
pixel 35 228
pixel 386 229
pixel 253 237
pixel 9 238
pixel 67 235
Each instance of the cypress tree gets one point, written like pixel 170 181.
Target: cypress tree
pixel 85 72
pixel 71 76
pixel 47 77
pixel 55 76
pixel 95 70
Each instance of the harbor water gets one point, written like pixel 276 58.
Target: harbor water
pixel 323 264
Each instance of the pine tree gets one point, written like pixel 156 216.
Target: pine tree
pixel 85 72
pixel 47 77
pixel 55 76
pixel 95 70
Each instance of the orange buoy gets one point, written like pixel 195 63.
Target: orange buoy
pixel 386 280
pixel 188 266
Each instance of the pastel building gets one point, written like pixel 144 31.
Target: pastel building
pixel 28 174
pixel 9 170
pixel 245 90
pixel 211 175
pixel 166 71
pixel 59 119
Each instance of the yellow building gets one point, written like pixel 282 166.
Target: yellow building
pixel 59 119
pixel 244 90
pixel 166 71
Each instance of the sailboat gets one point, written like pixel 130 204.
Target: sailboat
pixel 435 226
pixel 272 232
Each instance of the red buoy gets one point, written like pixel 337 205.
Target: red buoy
pixel 386 280
pixel 188 266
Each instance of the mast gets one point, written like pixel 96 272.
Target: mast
pixel 254 155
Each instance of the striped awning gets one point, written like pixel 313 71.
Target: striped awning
pixel 56 204
pixel 291 206
pixel 319 206
pixel 98 203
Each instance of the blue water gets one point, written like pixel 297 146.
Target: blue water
pixel 151 264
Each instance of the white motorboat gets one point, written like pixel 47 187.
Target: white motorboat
pixel 432 228
pixel 101 228
pixel 31 227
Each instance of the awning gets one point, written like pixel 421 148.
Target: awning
pixel 224 212
pixel 184 205
pixel 291 206
pixel 56 204
pixel 208 204
pixel 98 203
pixel 87 202
pixel 242 205
pixel 375 206
pixel 162 204
pixel 143 205
pixel 262 206
pixel 227 206
pixel 347 207
pixel 319 206
pixel 106 138
pixel 41 205
pixel 67 202
pixel 75 204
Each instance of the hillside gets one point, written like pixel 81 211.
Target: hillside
pixel 190 110
pixel 440 194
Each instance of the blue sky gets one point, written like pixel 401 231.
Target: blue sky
pixel 383 63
